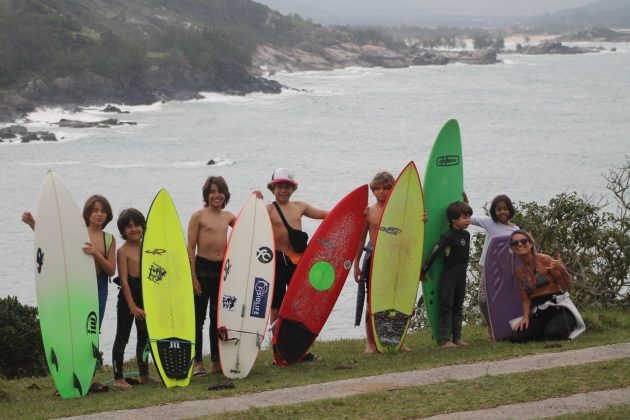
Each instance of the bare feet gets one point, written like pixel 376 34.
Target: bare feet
pixel 215 368
pixel 149 380
pixel 460 343
pixel 449 345
pixel 403 347
pixel 121 383
pixel 368 350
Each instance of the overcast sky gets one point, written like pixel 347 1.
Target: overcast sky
pixel 424 7
pixel 499 7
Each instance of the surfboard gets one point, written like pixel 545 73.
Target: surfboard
pixel 443 184
pixel 246 289
pixel 502 289
pixel 396 259
pixel 319 278
pixel 167 293
pixel 67 297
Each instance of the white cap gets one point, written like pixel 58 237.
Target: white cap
pixel 283 175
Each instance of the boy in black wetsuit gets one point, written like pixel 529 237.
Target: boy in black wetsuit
pixel 131 225
pixel 456 245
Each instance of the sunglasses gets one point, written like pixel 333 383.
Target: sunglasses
pixel 523 241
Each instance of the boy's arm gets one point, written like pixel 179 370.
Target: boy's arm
pixel 123 273
pixel 193 232
pixel 313 212
pixel 232 220
pixel 439 247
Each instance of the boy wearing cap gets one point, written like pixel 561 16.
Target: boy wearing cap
pixel 283 185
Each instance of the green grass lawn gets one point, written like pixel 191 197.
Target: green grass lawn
pixel 33 397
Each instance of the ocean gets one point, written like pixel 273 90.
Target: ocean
pixel 532 127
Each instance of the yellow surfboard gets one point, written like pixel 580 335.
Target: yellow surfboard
pixel 167 293
pixel 396 260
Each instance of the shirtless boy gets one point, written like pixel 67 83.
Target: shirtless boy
pixel 283 185
pixel 207 240
pixel 381 186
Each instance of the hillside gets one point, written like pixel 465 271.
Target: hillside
pixel 603 13
pixel 134 51
pixel 85 52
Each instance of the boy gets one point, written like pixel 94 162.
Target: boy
pixel 283 185
pixel 207 240
pixel 456 245
pixel 381 186
pixel 131 224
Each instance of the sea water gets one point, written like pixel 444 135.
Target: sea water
pixel 532 127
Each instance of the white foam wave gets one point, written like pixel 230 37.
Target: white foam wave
pixel 213 97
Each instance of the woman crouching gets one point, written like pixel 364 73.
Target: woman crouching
pixel 548 312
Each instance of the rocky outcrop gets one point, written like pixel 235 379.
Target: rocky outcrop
pixel 91 124
pixel 273 58
pixel 39 136
pixel 13 132
pixel 551 47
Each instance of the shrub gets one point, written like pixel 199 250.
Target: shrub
pixel 22 352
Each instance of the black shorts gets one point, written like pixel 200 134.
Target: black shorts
pixel 284 271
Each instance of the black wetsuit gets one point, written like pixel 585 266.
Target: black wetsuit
pixel 456 244
pixel 208 274
pixel 123 329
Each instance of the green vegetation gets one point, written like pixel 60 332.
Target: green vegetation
pixel 339 360
pixel 22 351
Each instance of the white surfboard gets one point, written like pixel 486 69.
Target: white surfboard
pixel 67 296
pixel 246 289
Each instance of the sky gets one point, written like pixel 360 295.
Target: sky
pixel 396 10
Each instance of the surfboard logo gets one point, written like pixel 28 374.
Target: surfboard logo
pixel 390 229
pixel 347 264
pixel 156 273
pixel 450 160
pixel 264 255
pixel 229 302
pixel 91 324
pixel 259 298
pixel 40 260
pixel 226 269
pixel 156 251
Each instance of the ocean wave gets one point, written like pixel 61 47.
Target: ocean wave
pixel 213 97
pixel 170 165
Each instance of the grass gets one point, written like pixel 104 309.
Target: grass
pixel 32 397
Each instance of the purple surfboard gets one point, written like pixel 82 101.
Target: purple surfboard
pixel 504 298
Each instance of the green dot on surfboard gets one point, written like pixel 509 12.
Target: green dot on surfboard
pixel 321 276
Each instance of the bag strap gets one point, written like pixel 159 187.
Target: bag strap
pixel 286 224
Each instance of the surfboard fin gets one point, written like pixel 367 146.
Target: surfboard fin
pixel 97 355
pixel 53 359
pixel 77 384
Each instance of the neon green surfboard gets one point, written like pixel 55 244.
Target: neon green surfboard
pixel 65 279
pixel 167 293
pixel 443 184
pixel 396 259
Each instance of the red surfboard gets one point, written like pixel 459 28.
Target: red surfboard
pixel 319 278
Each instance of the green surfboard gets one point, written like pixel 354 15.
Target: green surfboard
pixel 443 184
pixel 65 279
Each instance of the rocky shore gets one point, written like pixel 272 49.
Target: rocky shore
pixel 551 47
pixel 274 58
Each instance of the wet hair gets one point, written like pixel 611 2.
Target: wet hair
pixel 382 178
pixel 127 216
pixel 501 199
pixel 88 208
pixel 221 185
pixel 457 209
